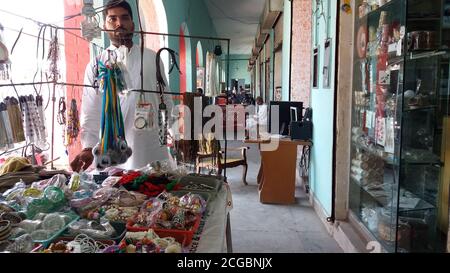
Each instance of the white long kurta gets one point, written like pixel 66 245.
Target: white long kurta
pixel 145 143
pixel 259 119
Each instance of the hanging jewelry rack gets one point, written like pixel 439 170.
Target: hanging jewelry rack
pixel 142 34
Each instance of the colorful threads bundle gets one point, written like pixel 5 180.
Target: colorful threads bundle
pixel 113 148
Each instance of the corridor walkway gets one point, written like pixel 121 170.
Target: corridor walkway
pixel 260 228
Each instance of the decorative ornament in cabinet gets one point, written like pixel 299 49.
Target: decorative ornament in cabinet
pixel 386 229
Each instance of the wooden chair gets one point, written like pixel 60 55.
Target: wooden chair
pixel 212 158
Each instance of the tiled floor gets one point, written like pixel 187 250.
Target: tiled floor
pixel 260 228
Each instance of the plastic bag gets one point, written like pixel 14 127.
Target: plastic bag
pixel 94 229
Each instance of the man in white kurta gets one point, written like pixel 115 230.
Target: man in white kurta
pixel 259 121
pixel 144 143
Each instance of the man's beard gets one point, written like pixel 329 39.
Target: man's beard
pixel 121 36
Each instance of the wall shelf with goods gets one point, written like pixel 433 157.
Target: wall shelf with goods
pixel 400 102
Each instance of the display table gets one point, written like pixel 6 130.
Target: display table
pixel 277 173
pixel 214 235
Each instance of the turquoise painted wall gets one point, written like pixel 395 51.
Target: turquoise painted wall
pixel 286 70
pixel 239 68
pixel 196 16
pixel 322 102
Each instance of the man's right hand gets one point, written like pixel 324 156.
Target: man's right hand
pixel 83 161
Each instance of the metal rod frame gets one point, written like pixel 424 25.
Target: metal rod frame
pixel 142 34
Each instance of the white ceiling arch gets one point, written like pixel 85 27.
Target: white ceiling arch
pixel 237 20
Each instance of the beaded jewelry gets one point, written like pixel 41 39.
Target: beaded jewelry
pixel 53 58
pixel 73 124
pixel 148 242
pixel 59 248
pixel 61 118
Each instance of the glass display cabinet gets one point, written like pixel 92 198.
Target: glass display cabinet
pixel 399 177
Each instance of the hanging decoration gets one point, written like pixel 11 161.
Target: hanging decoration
pixel 73 124
pixel 5 64
pixel 163 118
pixel 62 117
pixel 40 112
pixel 34 120
pixel 53 58
pixel 15 118
pixel 6 136
pixel 113 148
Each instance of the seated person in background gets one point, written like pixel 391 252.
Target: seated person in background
pixel 248 99
pixel 222 99
pixel 199 92
pixel 259 121
pixel 241 95
pixel 233 98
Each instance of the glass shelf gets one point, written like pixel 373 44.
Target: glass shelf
pixel 434 163
pixel 420 54
pixel 396 60
pixel 407 160
pixel 386 159
pixel 420 157
pixel 409 202
pixel 429 107
pixel 424 19
pixel 374 12
pixel 389 160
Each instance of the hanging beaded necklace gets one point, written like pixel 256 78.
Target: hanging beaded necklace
pixel 53 58
pixel 73 123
